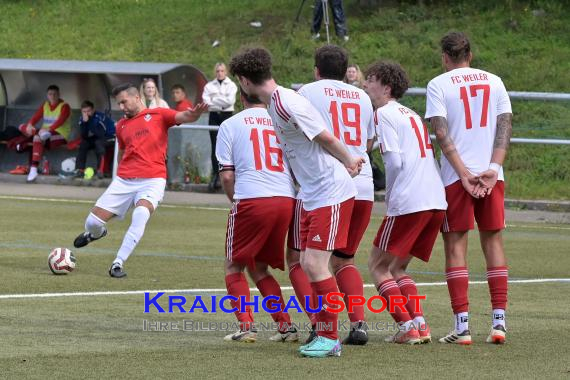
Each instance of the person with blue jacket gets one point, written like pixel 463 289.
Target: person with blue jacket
pixel 96 129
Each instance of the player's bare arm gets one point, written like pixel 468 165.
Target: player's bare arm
pixel 469 181
pixel 228 179
pixel 488 178
pixel 191 114
pixel 370 144
pixel 334 147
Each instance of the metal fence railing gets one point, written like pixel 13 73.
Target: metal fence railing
pixel 416 91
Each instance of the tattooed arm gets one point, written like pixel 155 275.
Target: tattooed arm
pixel 489 177
pixel 469 181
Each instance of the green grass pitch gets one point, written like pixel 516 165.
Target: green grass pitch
pixel 183 248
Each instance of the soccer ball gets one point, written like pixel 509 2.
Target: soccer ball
pixel 61 261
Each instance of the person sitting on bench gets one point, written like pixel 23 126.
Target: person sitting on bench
pixel 96 129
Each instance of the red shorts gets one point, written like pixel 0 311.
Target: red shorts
pixel 411 234
pixel 256 231
pixel 326 228
pixel 463 209
pixel 294 235
pixel 358 224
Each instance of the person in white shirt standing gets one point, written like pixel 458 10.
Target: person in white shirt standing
pixel 415 198
pixel 220 96
pixel 470 112
pixel 256 178
pixel 348 113
pixel 323 168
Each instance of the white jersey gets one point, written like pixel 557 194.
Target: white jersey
pixel 470 99
pixel 247 143
pixel 324 180
pixel 418 185
pixel 350 117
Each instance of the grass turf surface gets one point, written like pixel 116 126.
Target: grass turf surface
pixel 102 336
pixel 524 42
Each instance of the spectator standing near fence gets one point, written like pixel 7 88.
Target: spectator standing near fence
pixel 95 128
pixel 151 97
pixel 220 96
pixel 354 76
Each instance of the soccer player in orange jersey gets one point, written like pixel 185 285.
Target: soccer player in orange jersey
pixel 141 176
pixel 470 112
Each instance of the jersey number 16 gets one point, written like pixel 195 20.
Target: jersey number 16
pixel 269 150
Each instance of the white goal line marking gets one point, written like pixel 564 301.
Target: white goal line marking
pixel 84 201
pixel 222 290
pixel 63 200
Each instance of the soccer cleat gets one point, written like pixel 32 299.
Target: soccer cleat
pixel 498 335
pixel 245 336
pixel 357 335
pixel 33 174
pixel 425 333
pixel 322 347
pixel 290 335
pixel 312 335
pixel 85 238
pixel 412 336
pixel 20 169
pixel 457 338
pixel 116 271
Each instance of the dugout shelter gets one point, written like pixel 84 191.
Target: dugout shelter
pixel 23 84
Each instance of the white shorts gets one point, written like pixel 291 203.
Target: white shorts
pixel 124 193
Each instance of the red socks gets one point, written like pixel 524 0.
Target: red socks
pixel 326 321
pixel 497 279
pixel 37 151
pixel 408 288
pixel 302 288
pixel 458 284
pixel 390 288
pixel 350 283
pixel 268 286
pixel 237 286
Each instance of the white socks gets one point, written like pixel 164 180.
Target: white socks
pixel 134 234
pixel 94 225
pixel 461 322
pixel 418 321
pixel 499 317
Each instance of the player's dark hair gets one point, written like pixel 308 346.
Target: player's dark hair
pixel 457 46
pixel 251 99
pixel 332 62
pixel 52 87
pixel 129 87
pixel 390 74
pixel 178 86
pixel 87 104
pixel 253 64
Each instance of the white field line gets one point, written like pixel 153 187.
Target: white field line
pixel 223 290
pixel 84 201
pixel 63 200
